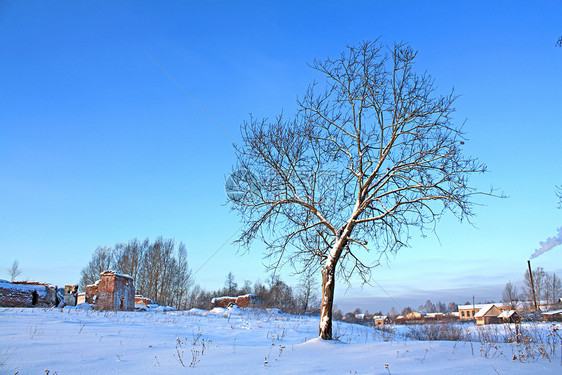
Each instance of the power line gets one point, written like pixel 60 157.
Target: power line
pixel 217 125
pixel 192 98
pixel 389 296
pixel 216 252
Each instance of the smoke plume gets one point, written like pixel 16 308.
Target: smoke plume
pixel 548 244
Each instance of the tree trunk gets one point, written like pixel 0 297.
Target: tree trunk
pixel 328 287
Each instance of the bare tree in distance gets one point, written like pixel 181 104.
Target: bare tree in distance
pixel 102 260
pixel 306 293
pixel 538 281
pixel 159 269
pixel 510 295
pixel 230 285
pixel 370 156
pixel 14 270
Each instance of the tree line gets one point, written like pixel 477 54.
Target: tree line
pixel 273 293
pixel 159 269
pixel 161 272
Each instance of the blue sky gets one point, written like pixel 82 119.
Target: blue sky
pixel 99 146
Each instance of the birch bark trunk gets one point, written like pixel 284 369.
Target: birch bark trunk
pixel 328 287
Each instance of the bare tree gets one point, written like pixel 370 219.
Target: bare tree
pixel 406 310
pixel 429 307
pixel 183 279
pixel 127 257
pixel 230 285
pixel 102 260
pixel 552 288
pixel 537 285
pixel 366 160
pixel 510 295
pixel 160 272
pixel 559 195
pixel 307 299
pixel 14 270
pixel 452 307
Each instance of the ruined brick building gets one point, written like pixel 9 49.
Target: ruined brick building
pixel 113 291
pixel 27 294
pixel 70 294
pixel 247 300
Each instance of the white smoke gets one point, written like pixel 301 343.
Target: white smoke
pixel 548 244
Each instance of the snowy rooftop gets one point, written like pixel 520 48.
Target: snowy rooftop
pixel 554 312
pixel 507 314
pixel 117 274
pixel 40 288
pixel 484 310
pixel 479 306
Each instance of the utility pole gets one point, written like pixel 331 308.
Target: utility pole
pixel 532 285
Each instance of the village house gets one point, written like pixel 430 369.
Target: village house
pixel 451 316
pixel 382 320
pixel 113 291
pixel 415 315
pixel 432 317
pixel 28 294
pixel 509 316
pixel 553 316
pixel 468 312
pixel 411 318
pixel 488 314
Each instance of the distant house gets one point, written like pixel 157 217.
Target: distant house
pixel 509 316
pixel 467 312
pixel 553 316
pixel 27 294
pixel 360 317
pixel 488 314
pixel 414 315
pixel 113 291
pixel 433 316
pixel 450 316
pixel 382 320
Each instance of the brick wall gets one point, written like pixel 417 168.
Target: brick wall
pixel 21 295
pixel 113 291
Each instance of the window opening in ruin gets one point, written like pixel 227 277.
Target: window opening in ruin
pixel 121 304
pixel 34 297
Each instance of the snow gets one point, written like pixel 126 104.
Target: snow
pixel 26 288
pixel 507 314
pixel 83 306
pixel 240 341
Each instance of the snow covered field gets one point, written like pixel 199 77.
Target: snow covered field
pixel 76 341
